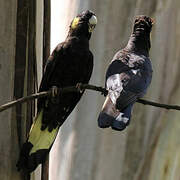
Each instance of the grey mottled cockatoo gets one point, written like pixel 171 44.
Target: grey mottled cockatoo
pixel 128 77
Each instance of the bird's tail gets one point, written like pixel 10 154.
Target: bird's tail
pixel 111 117
pixel 37 146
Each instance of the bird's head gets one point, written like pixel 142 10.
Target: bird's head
pixel 142 25
pixel 83 24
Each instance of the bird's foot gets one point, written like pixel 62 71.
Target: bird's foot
pixel 79 87
pixel 54 91
pixel 54 94
pixel 104 92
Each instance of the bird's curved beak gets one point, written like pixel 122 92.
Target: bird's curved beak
pixel 92 23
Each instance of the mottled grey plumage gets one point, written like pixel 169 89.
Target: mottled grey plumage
pixel 128 77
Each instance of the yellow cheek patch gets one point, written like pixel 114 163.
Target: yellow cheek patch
pixel 75 22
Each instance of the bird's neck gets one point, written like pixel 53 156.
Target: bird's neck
pixel 80 33
pixel 139 44
pixel 78 43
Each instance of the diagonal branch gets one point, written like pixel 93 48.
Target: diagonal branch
pixel 76 89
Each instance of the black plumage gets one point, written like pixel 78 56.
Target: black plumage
pixel 128 77
pixel 70 63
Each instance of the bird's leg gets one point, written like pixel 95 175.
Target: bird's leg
pixel 79 87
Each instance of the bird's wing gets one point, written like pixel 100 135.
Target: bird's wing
pixel 88 72
pixel 56 113
pixel 50 67
pixel 127 82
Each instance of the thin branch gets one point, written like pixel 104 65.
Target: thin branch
pixel 165 106
pixel 24 99
pixel 76 89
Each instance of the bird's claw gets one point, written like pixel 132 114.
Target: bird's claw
pixel 54 94
pixel 79 87
pixel 104 92
pixel 54 91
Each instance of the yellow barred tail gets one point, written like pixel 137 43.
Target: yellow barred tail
pixel 41 139
pixel 37 146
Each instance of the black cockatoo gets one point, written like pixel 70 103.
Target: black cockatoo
pixel 128 77
pixel 69 64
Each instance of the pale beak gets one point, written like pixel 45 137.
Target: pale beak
pixel 92 23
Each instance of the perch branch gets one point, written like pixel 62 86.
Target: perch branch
pixel 76 89
pixel 165 106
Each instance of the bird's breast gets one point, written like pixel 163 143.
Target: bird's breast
pixel 72 70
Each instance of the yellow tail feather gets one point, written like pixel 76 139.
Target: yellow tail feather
pixel 41 139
